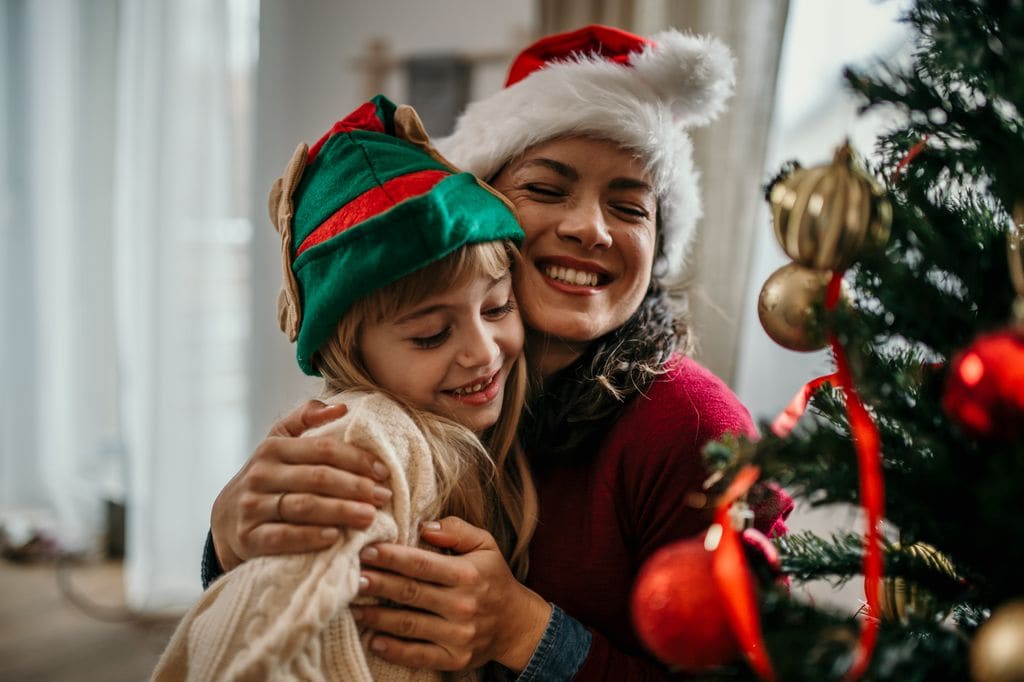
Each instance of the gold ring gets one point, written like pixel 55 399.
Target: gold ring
pixel 280 516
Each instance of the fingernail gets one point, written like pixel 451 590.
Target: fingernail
pixel 364 582
pixel 329 533
pixel 380 470
pixel 378 645
pixel 431 525
pixel 381 494
pixel 357 613
pixel 369 554
pixel 366 512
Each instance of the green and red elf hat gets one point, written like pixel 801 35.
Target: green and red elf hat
pixel 368 204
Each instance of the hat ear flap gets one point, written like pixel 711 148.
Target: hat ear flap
pixel 282 213
pixel 409 127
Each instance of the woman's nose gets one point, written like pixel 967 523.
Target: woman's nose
pixel 586 224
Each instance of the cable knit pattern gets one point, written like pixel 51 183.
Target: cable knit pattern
pixel 286 617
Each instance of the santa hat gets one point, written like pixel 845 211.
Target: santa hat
pixel 644 94
pixel 368 204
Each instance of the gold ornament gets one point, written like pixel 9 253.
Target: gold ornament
pixel 901 600
pixel 790 307
pixel 825 216
pixel 1015 258
pixel 997 652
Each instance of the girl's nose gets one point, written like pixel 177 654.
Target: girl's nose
pixel 479 348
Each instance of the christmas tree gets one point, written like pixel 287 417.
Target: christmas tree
pixel 910 266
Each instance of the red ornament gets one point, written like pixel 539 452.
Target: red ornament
pixel 985 386
pixel 678 610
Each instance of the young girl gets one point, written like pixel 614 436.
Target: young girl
pixel 398 293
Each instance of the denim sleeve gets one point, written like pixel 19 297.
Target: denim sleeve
pixel 561 651
pixel 211 568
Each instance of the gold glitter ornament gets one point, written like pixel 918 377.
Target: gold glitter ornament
pixel 1015 259
pixel 902 600
pixel 791 307
pixel 997 652
pixel 825 216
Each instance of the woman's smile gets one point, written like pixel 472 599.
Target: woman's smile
pixel 574 276
pixel 589 214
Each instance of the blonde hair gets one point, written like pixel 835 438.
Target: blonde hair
pixel 485 481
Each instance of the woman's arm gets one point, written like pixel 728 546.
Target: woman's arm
pixel 294 493
pixel 471 607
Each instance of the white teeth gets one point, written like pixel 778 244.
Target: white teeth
pixel 571 276
pixel 476 388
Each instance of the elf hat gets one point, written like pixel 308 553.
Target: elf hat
pixel 368 204
pixel 606 83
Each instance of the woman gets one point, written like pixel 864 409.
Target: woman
pixel 589 142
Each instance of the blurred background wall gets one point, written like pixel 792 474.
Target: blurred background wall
pixel 140 357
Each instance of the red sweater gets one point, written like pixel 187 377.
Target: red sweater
pixel 603 516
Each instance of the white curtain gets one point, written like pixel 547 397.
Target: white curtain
pixel 731 155
pixel 60 454
pixel 182 273
pixel 126 278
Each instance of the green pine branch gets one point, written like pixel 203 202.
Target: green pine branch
pixel 941 280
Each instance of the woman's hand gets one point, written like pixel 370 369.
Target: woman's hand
pixel 471 609
pixel 294 493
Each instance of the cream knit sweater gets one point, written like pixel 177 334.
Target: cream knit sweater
pixel 287 617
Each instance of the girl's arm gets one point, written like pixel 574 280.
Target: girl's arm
pixel 327 484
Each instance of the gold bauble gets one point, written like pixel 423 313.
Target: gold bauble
pixel 997 652
pixel 827 215
pixel 790 307
pixel 901 600
pixel 1015 257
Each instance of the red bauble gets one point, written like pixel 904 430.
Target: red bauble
pixel 678 610
pixel 985 386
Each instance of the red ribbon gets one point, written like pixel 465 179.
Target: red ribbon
pixel 787 419
pixel 733 578
pixel 867 444
pixel 909 156
pixel 872 489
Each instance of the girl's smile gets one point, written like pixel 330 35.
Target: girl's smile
pixel 452 352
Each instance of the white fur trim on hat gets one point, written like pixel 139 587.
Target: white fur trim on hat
pixel 680 82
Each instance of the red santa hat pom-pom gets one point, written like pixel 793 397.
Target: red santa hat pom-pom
pixel 984 390
pixel 678 610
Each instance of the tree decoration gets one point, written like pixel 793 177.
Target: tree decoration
pixel 791 308
pixel 825 216
pixel 932 331
pixel 903 600
pixel 694 602
pixel 997 652
pixel 824 219
pixel 985 386
pixel 678 610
